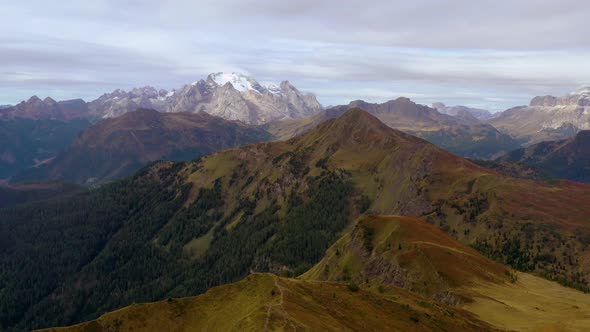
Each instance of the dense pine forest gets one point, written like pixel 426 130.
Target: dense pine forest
pixel 127 242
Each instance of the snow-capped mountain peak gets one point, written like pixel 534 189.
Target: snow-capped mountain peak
pixel 232 96
pixel 239 81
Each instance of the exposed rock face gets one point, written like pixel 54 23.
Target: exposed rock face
pixel 119 102
pixel 238 97
pixel 544 101
pixel 231 96
pixel 576 98
pixel 547 118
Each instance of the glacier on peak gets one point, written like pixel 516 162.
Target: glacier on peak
pixel 239 81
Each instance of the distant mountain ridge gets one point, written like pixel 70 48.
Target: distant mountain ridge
pixel 120 146
pixel 547 118
pixel 579 97
pixel 232 96
pixel 461 111
pixel 47 109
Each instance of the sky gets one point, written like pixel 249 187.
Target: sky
pixel 492 54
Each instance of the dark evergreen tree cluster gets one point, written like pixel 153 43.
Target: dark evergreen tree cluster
pixel 70 259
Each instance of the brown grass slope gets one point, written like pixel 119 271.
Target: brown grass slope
pixel 406 252
pixel 383 252
pixel 264 302
pixel 542 227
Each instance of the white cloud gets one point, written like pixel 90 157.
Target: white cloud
pixel 492 54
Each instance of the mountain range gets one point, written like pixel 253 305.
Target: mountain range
pixel 547 118
pixel 112 148
pixel 469 132
pixel 463 135
pixel 178 229
pixel 47 109
pixel 232 96
pixel 281 111
pixel 235 96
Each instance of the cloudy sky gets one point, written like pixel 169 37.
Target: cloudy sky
pixel 493 55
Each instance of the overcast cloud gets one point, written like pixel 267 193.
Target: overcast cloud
pixel 492 55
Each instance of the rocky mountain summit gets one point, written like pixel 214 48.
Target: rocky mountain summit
pixel 547 118
pixel 580 97
pixel 234 96
pixel 119 102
